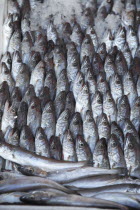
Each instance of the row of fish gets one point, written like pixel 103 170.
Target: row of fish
pixel 70 98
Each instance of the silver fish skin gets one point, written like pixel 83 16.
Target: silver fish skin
pixel 7 31
pixel 109 67
pixel 128 18
pixel 102 84
pixel 115 153
pixel 55 148
pixel 15 42
pixel 70 103
pixel 120 63
pixel 122 198
pixel 16 64
pixel 76 125
pixel 115 129
pixel 22 115
pixel 62 124
pixel 86 19
pixel 90 130
pixel 25 25
pixel 138 86
pixel 34 115
pixel 107 4
pixel 108 39
pixel 11 198
pixel 40 44
pixel 50 82
pixel 23 157
pixel 44 96
pixel 129 87
pixel 6 58
pixel 103 127
pixel 13 7
pixel 77 36
pixel 77 84
pixel 41 143
pixel 5 75
pixel 123 109
pixel 132 40
pixel 33 59
pixel 59 103
pixel 127 54
pixel 135 114
pixel 128 127
pixel 90 30
pixel 9 117
pixel 23 79
pixel 66 31
pixel 52 33
pixel 48 120
pixel 109 107
pixel 97 64
pixel 85 65
pixel 67 200
pixel 131 153
pixel 83 151
pixel 68 147
pixel 27 139
pixel 119 40
pixel 118 7
pixel 62 82
pixel 37 77
pixel 102 51
pixel 4 94
pixel 16 98
pixel 83 100
pixel 49 65
pixel 120 188
pixel 73 62
pixel 58 56
pixel 116 87
pixel 26 47
pixel 91 82
pixel 97 105
pixel 87 48
pixel 100 155
pixel 12 136
pixel 29 94
pixel 113 52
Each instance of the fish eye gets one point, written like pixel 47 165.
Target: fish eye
pixel 53 147
pixel 130 146
pixel 109 100
pixel 81 144
pixel 30 170
pixel 114 144
pixel 105 123
pixel 99 101
pixel 118 82
pixel 102 80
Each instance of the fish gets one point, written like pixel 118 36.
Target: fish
pixel 55 148
pixel 119 40
pixel 22 115
pixel 9 117
pixel 128 127
pixel 100 155
pixel 33 59
pixel 97 105
pixel 115 129
pixel 102 51
pixel 6 58
pixel 26 46
pixel 109 107
pixel 86 18
pixel 4 94
pixel 109 67
pixel 52 33
pixel 15 41
pixel 68 147
pixel 7 31
pixel 37 77
pixel 127 54
pixel 135 113
pixel 44 96
pixel 25 25
pixel 121 65
pixel 50 82
pixel 102 85
pixel 97 64
pixel 76 125
pixel 62 124
pixel 83 151
pixel 59 103
pixel 90 30
pixel 16 64
pixel 32 171
pixel 87 48
pixel 62 82
pixel 29 94
pixel 122 198
pixel 91 82
pixel 67 200
pixel 103 127
pixel 131 38
pixel 34 115
pixel 23 157
pixel 77 85
pixel 85 65
pixel 116 87
pixel 90 130
pixel 131 153
pixel 48 122
pixel 70 103
pixel 16 98
pixel 115 153
pixel 27 139
pixel 41 143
